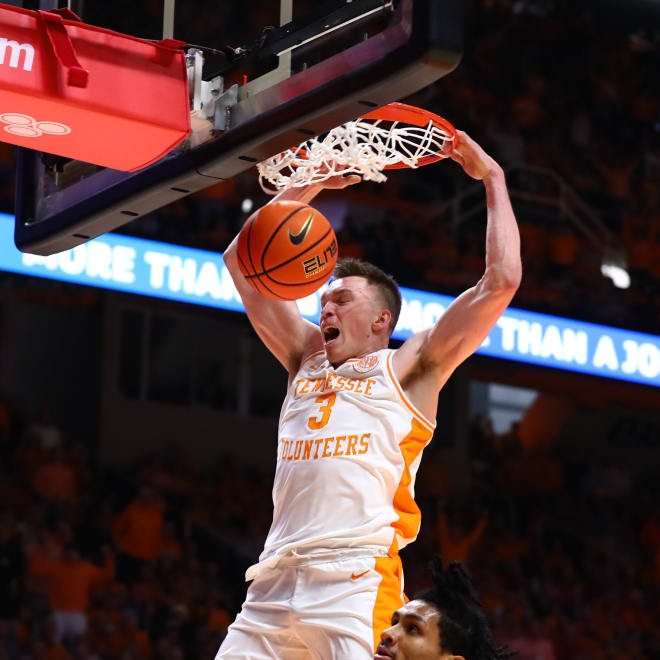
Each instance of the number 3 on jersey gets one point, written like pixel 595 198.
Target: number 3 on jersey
pixel 328 400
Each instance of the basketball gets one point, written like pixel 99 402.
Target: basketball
pixel 287 250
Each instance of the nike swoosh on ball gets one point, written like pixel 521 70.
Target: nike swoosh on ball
pixel 298 238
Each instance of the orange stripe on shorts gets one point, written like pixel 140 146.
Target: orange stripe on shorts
pixel 389 597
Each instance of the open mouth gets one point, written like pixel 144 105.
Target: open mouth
pixel 330 333
pixel 382 652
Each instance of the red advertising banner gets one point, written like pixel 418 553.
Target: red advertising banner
pixel 87 93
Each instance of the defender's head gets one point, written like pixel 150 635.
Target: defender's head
pixel 445 622
pixel 359 310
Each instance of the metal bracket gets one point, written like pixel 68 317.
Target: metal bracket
pixel 203 93
pixel 194 66
pixel 168 19
pixel 211 93
pixel 223 105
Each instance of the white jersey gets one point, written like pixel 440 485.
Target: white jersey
pixel 349 446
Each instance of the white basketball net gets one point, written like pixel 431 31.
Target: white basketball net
pixel 361 147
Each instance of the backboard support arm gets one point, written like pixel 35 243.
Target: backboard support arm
pixel 168 19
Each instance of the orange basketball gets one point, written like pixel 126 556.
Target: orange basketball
pixel 287 250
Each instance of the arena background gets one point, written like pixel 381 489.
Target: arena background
pixel 140 431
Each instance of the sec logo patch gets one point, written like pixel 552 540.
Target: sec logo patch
pixel 367 363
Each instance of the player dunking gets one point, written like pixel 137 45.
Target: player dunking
pixel 352 429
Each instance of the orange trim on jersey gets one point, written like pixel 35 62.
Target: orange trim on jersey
pixel 410 517
pixel 364 356
pixel 313 355
pixel 389 597
pixel 430 425
pixel 309 357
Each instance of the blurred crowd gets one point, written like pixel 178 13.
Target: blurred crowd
pixel 147 562
pixel 143 563
pixel 576 95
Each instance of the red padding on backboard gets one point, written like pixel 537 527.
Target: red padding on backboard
pixel 60 42
pixel 87 93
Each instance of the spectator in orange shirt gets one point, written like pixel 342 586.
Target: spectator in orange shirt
pixel 69 584
pixel 55 480
pixel 458 549
pixel 218 616
pixel 138 532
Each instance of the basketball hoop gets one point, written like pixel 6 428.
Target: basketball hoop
pixel 391 137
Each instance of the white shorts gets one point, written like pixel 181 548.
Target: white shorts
pixel 330 610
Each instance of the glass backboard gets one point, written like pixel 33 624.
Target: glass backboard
pixel 266 76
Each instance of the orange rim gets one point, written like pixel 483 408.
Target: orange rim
pixel 409 114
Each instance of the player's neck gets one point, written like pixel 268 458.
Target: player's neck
pixel 336 363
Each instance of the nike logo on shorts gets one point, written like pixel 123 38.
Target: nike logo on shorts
pixel 359 575
pixel 298 238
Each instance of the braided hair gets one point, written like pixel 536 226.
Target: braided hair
pixel 463 625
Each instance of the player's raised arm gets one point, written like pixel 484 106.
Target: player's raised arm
pixel 433 354
pixel 287 335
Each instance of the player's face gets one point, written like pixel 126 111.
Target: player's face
pixel 413 635
pixel 349 310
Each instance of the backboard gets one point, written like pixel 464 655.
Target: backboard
pixel 269 76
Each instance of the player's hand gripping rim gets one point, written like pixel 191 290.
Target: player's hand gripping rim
pixel 472 158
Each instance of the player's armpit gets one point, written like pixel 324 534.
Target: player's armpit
pixel 464 325
pixel 426 360
pixel 286 334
